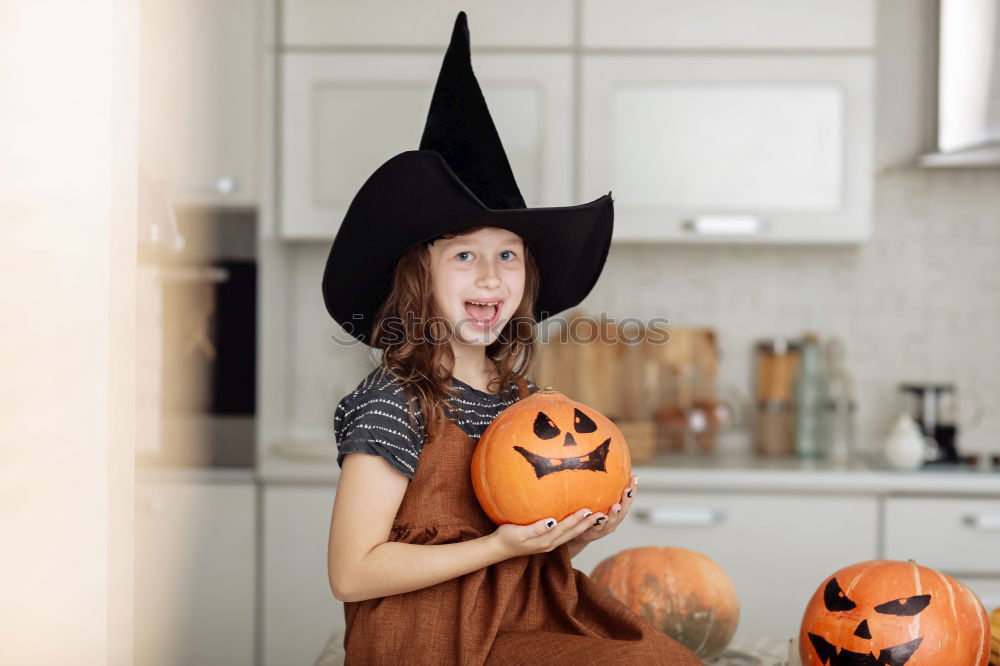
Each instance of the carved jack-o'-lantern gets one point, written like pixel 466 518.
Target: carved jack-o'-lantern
pixel 547 455
pixel 891 613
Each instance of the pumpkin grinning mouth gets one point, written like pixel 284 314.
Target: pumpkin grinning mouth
pixel 896 655
pixel 544 465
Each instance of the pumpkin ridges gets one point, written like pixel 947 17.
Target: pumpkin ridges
pixel 983 653
pixel 481 486
pixel 681 592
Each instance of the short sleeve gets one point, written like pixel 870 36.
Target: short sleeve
pixel 373 419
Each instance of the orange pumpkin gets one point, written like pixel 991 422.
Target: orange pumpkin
pixel 548 456
pixel 890 613
pixel 684 594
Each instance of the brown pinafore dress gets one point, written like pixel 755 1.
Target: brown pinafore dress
pixel 531 609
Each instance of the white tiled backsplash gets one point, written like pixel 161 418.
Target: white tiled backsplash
pixel 920 301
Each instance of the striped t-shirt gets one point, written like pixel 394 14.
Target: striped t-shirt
pixel 373 418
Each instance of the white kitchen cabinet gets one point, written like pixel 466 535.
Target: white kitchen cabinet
pixel 778 531
pixel 729 24
pixel 300 611
pixel 776 548
pixel 345 114
pixel 731 148
pixel 198 72
pixel 195 573
pixel 351 23
pixel 959 536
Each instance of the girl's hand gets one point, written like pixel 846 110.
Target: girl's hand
pixel 601 528
pixel 543 536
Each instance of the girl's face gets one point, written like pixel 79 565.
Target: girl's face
pixel 477 280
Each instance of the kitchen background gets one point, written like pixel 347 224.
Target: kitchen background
pixel 260 119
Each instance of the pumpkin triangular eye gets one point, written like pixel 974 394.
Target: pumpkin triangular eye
pixel 835 599
pixel 582 422
pixel 544 427
pixel 906 606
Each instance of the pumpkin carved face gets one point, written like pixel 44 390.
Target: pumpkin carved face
pixel 547 455
pixel 891 613
pixel 545 429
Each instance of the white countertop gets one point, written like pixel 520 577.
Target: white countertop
pixel 305 463
pixel 195 475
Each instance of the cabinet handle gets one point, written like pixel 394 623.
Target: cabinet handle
pixel 982 521
pixel 226 185
pixel 738 225
pixel 663 516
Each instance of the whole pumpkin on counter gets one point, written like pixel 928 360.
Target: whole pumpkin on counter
pixel 683 593
pixel 547 455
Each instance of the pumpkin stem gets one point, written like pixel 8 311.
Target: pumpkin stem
pixel 547 389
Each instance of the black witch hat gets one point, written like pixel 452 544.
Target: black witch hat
pixel 459 179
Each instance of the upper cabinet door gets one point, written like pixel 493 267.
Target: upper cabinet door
pixel 343 115
pixel 491 23
pixel 197 100
pixel 720 148
pixel 729 24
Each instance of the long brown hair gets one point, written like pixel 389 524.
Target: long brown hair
pixel 414 338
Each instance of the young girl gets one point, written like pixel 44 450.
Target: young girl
pixel 440 266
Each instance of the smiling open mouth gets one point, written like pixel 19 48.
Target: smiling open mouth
pixel 893 656
pixel 483 313
pixel 593 460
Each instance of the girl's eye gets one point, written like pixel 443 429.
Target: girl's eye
pixel 510 252
pixel 459 255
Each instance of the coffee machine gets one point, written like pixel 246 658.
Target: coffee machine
pixel 933 406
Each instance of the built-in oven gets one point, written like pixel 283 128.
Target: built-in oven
pixel 197 340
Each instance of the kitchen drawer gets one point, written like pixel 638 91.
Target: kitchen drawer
pixel 776 548
pixel 954 535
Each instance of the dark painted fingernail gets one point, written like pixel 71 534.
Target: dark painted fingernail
pixel 550 523
pixel 600 520
pixel 629 493
pixel 618 510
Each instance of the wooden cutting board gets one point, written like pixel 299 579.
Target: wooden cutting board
pixel 632 378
